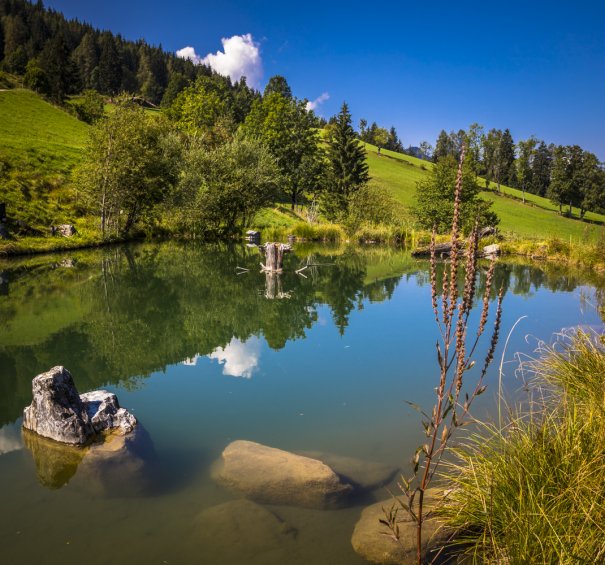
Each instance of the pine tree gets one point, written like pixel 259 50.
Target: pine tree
pixel 507 158
pixel 278 84
pixel 541 169
pixel 86 58
pixel 443 146
pixel 348 167
pixel 110 66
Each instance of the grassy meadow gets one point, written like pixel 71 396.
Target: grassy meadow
pixel 41 143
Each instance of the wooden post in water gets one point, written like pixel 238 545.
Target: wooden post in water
pixel 274 256
pixel 3 221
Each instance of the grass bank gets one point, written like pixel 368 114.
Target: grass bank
pixel 529 489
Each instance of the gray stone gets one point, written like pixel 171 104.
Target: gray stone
pixel 367 475
pixel 56 411
pixel 241 531
pixel 105 413
pixel 274 476
pixel 59 413
pixel 374 542
pixel 491 250
pixel 66 230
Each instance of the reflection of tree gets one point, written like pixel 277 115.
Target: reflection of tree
pixel 122 313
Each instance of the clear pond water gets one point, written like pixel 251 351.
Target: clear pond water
pixel 204 353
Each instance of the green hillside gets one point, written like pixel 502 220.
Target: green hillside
pixel 39 145
pixel 536 218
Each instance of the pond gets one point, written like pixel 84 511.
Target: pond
pixel 204 349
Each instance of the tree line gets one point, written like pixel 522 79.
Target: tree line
pixel 568 175
pixel 58 57
pixel 213 159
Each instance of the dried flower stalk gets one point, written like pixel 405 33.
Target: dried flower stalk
pixel 454 356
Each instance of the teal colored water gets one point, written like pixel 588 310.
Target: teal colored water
pixel 204 352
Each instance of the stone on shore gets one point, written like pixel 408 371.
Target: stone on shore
pixel 372 540
pixel 242 532
pixel 490 251
pixel 273 476
pixel 59 413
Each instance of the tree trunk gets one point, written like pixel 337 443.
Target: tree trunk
pixel 3 221
pixel 274 256
pixel 3 283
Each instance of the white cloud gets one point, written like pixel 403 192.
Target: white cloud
pixel 240 57
pixel 10 439
pixel 240 359
pixel 312 105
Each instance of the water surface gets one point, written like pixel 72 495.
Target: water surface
pixel 204 352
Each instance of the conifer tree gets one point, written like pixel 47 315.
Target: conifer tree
pixel 348 168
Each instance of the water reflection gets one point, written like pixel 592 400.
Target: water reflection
pixel 10 438
pixel 119 314
pixel 239 359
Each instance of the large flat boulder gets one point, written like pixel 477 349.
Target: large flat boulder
pixel 57 411
pixel 274 476
pixel 372 540
pixel 241 532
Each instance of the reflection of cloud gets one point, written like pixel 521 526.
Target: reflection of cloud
pixel 240 359
pixel 191 361
pixel 10 439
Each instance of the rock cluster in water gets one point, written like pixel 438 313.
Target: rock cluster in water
pixel 58 412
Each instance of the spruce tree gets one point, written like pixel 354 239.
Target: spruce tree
pixel 443 146
pixel 348 167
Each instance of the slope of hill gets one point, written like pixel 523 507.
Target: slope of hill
pixel 537 217
pixel 39 145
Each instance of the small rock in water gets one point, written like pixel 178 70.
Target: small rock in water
pixel 58 412
pixel 274 476
pixel 105 412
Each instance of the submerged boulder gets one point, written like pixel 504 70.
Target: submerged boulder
pixel 274 476
pixel 59 413
pixel 373 541
pixel 242 532
pixel 119 466
pixel 367 475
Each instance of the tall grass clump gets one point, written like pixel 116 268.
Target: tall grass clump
pixel 531 490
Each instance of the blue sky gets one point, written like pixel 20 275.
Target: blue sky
pixel 534 67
